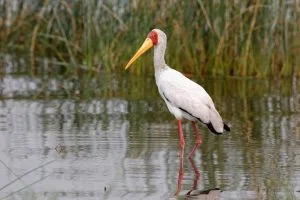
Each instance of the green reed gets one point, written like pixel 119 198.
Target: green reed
pixel 236 38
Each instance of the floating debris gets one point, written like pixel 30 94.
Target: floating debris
pixel 60 149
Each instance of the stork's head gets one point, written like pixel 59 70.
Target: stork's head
pixel 154 38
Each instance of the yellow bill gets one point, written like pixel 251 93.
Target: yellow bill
pixel 145 46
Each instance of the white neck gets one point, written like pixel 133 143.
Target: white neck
pixel 159 56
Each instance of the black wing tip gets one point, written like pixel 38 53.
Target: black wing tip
pixel 226 127
pixel 212 129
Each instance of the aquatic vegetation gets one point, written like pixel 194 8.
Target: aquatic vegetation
pixel 236 38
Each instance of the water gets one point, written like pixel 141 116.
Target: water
pixel 111 137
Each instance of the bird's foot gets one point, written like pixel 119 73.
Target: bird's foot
pixel 198 142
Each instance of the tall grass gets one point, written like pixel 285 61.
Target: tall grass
pixel 236 38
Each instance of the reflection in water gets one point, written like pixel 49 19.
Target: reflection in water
pixel 181 172
pixel 194 193
pixel 197 175
pixel 108 142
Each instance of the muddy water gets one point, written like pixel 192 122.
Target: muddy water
pixel 111 137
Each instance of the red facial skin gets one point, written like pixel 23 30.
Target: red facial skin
pixel 153 36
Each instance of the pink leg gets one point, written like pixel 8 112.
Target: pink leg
pixel 180 134
pixel 198 139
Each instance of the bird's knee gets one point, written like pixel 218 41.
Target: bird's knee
pixel 198 141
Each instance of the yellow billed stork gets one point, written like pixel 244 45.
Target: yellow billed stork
pixel 184 98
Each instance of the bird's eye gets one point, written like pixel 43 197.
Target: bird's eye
pixel 153 36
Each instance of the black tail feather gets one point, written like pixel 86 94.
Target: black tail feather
pixel 226 127
pixel 211 128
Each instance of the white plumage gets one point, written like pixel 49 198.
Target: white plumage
pixel 187 99
pixel 184 97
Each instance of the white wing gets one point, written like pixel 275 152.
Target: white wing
pixel 188 96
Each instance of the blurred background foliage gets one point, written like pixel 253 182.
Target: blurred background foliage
pixel 216 38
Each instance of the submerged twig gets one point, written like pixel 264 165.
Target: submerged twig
pixel 26 173
pixel 18 178
pixel 25 187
